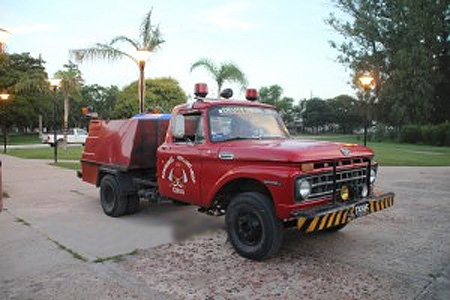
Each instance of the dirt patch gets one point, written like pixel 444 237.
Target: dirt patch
pixel 206 267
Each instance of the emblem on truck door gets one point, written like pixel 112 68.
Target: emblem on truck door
pixel 178 170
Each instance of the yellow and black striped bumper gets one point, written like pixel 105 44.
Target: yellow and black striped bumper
pixel 335 216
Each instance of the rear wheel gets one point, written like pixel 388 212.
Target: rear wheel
pixel 253 227
pixel 113 203
pixel 133 204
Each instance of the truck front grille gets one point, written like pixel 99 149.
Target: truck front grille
pixel 323 183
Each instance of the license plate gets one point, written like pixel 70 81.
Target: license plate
pixel 362 209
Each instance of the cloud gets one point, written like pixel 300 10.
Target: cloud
pixel 230 16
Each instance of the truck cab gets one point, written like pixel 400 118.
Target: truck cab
pixel 236 158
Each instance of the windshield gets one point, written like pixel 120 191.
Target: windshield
pixel 243 122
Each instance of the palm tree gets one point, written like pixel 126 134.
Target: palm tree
pixel 221 73
pixel 149 40
pixel 71 83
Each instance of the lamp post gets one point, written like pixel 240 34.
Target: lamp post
pixel 366 82
pixel 54 84
pixel 3 98
pixel 142 56
pixel 4 36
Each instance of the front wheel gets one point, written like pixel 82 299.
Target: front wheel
pixel 113 203
pixel 253 227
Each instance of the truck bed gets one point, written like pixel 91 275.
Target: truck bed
pixel 124 145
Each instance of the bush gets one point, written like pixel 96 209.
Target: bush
pixel 411 134
pixel 443 130
pixel 382 133
pixel 437 135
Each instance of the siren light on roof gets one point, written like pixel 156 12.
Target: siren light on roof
pixel 201 90
pixel 251 94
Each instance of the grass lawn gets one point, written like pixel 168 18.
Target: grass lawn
pixel 68 165
pixel 396 154
pixel 386 153
pixel 22 139
pixel 71 153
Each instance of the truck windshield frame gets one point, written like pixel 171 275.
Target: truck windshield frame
pixel 234 122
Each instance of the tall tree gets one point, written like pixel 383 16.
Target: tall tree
pixel 346 112
pixel 317 113
pixel 270 94
pixel 273 95
pixel 405 45
pixel 102 99
pixel 24 78
pixel 163 93
pixel 71 83
pixel 150 39
pixel 222 72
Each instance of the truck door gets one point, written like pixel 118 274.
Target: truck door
pixel 180 161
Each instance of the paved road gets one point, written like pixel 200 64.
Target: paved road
pixel 401 253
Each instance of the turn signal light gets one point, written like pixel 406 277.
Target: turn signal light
pixel 307 167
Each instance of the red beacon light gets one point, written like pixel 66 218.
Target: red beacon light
pixel 251 94
pixel 201 90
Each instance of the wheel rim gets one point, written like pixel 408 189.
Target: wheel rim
pixel 249 228
pixel 108 197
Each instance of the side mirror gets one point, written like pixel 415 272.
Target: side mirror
pixel 178 126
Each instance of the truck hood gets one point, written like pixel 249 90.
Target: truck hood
pixel 291 150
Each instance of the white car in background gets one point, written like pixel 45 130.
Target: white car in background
pixel 74 136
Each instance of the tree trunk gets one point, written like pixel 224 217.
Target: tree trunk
pixel 219 87
pixel 66 119
pixel 40 126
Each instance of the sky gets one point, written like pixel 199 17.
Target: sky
pixel 273 42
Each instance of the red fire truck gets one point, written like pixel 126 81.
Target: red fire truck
pixel 232 158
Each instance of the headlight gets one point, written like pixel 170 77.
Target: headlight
pixel 303 188
pixel 373 176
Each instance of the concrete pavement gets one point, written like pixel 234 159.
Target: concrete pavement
pixel 68 210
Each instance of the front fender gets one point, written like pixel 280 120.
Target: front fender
pixel 276 179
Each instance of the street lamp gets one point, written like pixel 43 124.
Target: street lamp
pixel 366 81
pixel 4 36
pixel 142 56
pixel 3 98
pixel 54 84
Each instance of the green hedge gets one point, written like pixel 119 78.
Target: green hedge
pixel 437 135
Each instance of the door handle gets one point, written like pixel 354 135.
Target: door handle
pixel 165 148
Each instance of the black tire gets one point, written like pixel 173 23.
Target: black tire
pixel 60 143
pixel 133 204
pixel 113 203
pixel 253 227
pixel 335 228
